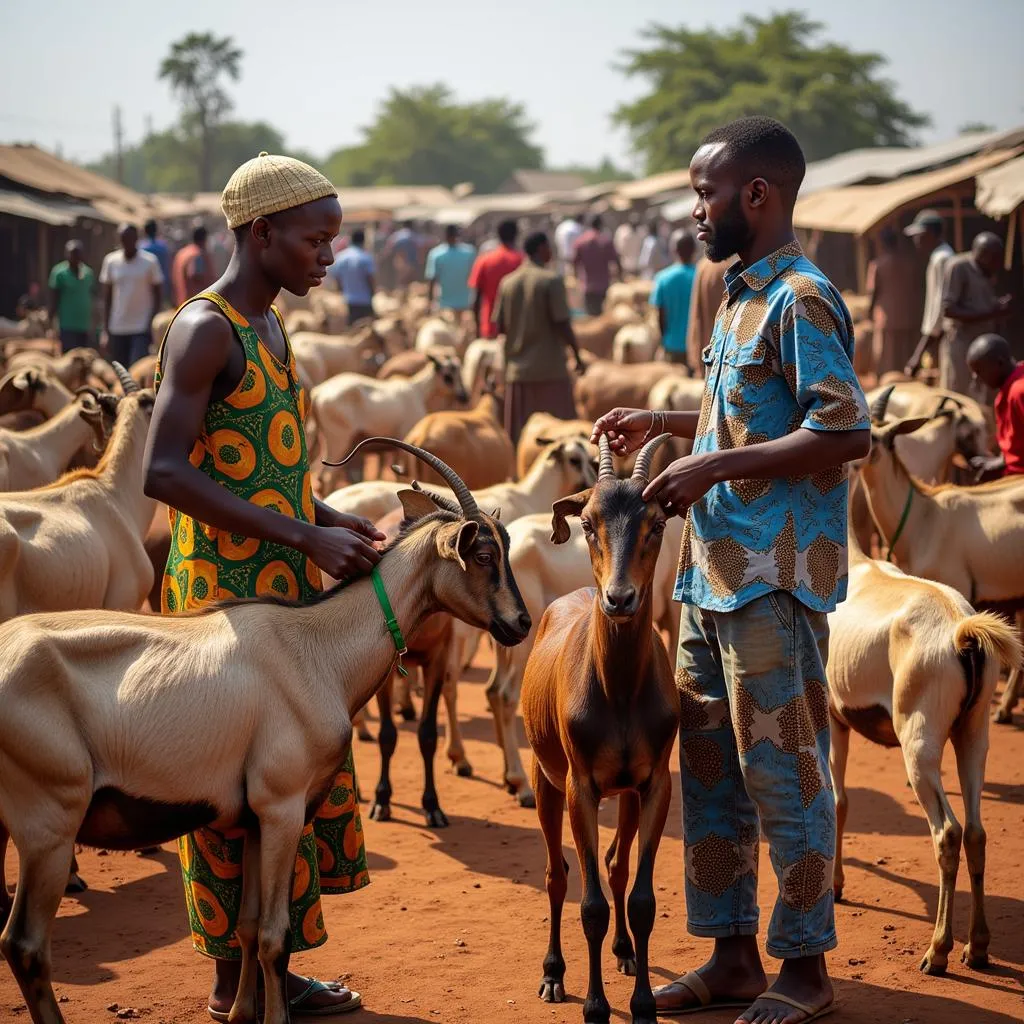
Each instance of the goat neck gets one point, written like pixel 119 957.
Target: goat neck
pixel 121 469
pixel 886 486
pixel 621 651
pixel 63 434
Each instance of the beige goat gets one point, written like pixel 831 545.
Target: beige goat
pixel 474 443
pixel 73 369
pixel 319 357
pixel 911 665
pixel 78 543
pixel 484 360
pixel 606 385
pixel 596 335
pixel 540 430
pixel 33 388
pixel 124 730
pixel 636 343
pixel 350 407
pixel 36 457
pixel 970 538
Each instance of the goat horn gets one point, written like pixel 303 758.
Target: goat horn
pixel 642 466
pixel 126 379
pixel 606 468
pixel 437 499
pixel 880 404
pixel 470 509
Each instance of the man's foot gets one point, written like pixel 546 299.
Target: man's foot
pixel 331 995
pixel 731 977
pixel 805 983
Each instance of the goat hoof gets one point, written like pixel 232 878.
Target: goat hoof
pixel 934 964
pixel 837 892
pixel 526 798
pixel 626 966
pixel 76 884
pixel 437 818
pixel 380 812
pixel 552 991
pixel 364 734
pixel 464 769
pixel 408 714
pixel 976 961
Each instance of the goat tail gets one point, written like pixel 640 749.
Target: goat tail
pixel 980 637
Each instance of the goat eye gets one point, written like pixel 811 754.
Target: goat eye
pixel 483 558
pixel 587 528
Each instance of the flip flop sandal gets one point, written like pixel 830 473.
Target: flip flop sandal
pixel 296 1004
pixel 812 1012
pixel 706 1002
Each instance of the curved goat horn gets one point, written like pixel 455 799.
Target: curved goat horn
pixel 438 499
pixel 127 381
pixel 606 469
pixel 880 404
pixel 642 466
pixel 470 509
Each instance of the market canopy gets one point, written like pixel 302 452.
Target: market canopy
pixel 1001 190
pixel 857 209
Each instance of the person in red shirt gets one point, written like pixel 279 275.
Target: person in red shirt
pixel 594 257
pixel 192 271
pixel 990 361
pixel 489 271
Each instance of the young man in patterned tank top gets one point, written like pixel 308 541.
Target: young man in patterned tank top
pixel 227 454
pixel 763 560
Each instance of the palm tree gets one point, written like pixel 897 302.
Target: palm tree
pixel 195 68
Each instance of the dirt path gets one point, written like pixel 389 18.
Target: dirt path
pixel 454 926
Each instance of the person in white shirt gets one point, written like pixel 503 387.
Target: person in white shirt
pixel 628 239
pixel 132 292
pixel 653 253
pixel 926 232
pixel 566 235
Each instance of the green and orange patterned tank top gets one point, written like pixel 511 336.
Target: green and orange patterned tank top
pixel 253 443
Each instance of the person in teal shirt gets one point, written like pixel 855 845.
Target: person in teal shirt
pixel 448 266
pixel 72 293
pixel 671 298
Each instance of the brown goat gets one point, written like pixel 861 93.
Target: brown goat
pixel 601 712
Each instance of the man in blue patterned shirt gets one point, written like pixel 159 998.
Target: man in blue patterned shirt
pixel 763 559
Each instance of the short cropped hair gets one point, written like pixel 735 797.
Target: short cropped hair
pixel 533 243
pixel 762 147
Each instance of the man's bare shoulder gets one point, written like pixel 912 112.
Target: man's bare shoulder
pixel 199 325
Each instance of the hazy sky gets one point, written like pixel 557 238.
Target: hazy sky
pixel 317 70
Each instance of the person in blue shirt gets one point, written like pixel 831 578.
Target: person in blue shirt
pixel 152 243
pixel 353 271
pixel 448 268
pixel 671 298
pixel 763 561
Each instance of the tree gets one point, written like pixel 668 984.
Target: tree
pixel 195 69
pixel 832 98
pixel 975 126
pixel 423 136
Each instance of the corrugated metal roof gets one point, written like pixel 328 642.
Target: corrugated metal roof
pixel 858 208
pixel 669 181
pixel 1001 190
pixel 544 181
pixel 50 211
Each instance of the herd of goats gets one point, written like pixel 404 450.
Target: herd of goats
pixel 107 713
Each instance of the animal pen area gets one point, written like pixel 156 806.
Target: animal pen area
pixel 456 919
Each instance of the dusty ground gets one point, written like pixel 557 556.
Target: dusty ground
pixel 454 926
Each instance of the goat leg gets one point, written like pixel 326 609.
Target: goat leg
pixel 76 883
pixel 280 831
pixel 970 742
pixel 387 740
pixel 456 750
pixel 402 696
pixel 617 862
pixel 433 682
pixel 1011 695
pixel 550 807
pixel 839 749
pixel 245 1009
pixel 5 900
pixel 594 910
pixel 25 942
pixel 642 901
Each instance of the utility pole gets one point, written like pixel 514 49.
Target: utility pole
pixel 119 144
pixel 149 126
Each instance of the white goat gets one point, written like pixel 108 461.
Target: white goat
pixel 350 407
pixel 322 356
pixel 911 665
pixel 78 543
pixel 970 538
pixel 124 730
pixel 484 358
pixel 33 388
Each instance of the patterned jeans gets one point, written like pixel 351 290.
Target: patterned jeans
pixel 753 744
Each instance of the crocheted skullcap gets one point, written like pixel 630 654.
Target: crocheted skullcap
pixel 268 184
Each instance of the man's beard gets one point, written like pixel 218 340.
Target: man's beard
pixel 730 234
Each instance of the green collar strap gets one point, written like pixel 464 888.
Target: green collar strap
pixel 902 523
pixel 389 619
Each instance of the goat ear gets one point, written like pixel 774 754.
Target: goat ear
pixel 416 504
pixel 562 509
pixel 909 425
pixel 455 540
pixel 545 441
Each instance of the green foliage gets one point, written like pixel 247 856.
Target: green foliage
pixel 833 98
pixel 975 126
pixel 169 161
pixel 423 136
pixel 604 171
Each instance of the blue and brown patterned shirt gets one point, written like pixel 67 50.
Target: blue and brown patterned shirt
pixel 780 358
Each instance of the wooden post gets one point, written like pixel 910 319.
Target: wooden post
pixel 958 223
pixel 862 264
pixel 1011 242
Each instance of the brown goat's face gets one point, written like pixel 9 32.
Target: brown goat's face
pixel 450 371
pixel 623 534
pixel 475 582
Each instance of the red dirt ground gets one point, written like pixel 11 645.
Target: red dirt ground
pixel 454 926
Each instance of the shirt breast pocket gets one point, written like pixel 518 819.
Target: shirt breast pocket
pixel 745 369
